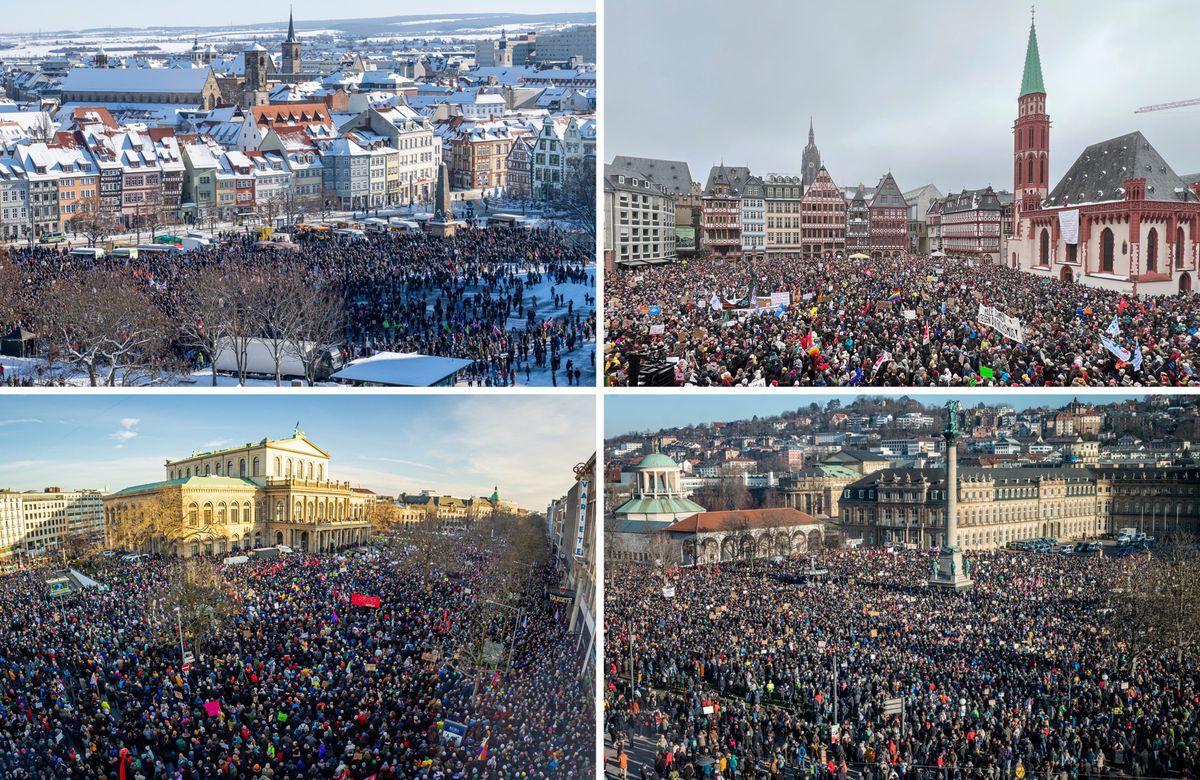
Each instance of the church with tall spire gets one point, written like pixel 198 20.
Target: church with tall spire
pixel 811 160
pixel 291 49
pixel 1031 134
pixel 1120 218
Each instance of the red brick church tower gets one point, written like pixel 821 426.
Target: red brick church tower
pixel 1031 137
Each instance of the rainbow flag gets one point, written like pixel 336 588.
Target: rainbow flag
pixel 482 754
pixel 895 296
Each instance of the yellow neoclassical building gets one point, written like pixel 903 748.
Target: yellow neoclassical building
pixel 275 491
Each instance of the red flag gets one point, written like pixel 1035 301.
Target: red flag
pixel 124 757
pixel 359 600
pixel 1122 306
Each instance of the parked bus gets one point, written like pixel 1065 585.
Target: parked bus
pixel 506 220
pixel 90 252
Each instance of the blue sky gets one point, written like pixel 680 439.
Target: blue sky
pixel 82 14
pixel 625 413
pixel 463 445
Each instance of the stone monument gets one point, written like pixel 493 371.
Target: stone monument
pixel 949 571
pixel 443 223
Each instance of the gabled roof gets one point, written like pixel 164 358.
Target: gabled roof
pixel 126 80
pixel 1099 173
pixel 672 174
pixel 888 194
pixel 742 519
pixel 733 175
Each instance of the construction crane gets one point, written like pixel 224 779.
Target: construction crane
pixel 1166 106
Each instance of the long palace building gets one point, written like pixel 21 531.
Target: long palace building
pixel 275 491
pixel 1001 505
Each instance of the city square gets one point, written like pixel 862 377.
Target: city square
pixel 1080 274
pixel 889 587
pixel 268 611
pixel 385 202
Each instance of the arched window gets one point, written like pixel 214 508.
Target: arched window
pixel 1152 250
pixel 193 515
pixel 1043 179
pixel 248 512
pixel 1179 247
pixel 321 467
pixel 218 468
pixel 229 468
pixel 235 513
pixel 299 511
pixel 279 511
pixel 208 469
pixel 1018 174
pixel 1044 257
pixel 256 468
pixel 242 467
pixel 1031 138
pixel 278 468
pixel 1106 250
pixel 310 470
pixel 208 514
pixel 1029 177
pixel 290 471
pixel 221 513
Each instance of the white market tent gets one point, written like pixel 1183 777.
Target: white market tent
pixel 401 369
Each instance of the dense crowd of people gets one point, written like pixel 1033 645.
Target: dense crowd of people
pixel 906 322
pixel 476 295
pixel 746 673
pixel 297 683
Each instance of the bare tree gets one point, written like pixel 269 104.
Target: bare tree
pixel 158 217
pixel 577 199
pixel 13 298
pixel 279 316
pixel 320 318
pixel 105 323
pixel 203 600
pixel 157 516
pixel 1157 614
pixel 383 515
pixel 207 301
pixel 95 227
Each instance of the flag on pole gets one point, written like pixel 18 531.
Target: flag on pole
pixel 483 746
pixel 1114 328
pixel 1137 358
pixel 986 372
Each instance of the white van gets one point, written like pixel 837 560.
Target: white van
pixel 90 252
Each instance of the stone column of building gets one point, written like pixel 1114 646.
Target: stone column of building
pixel 949 570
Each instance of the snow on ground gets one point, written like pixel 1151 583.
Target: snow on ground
pixel 583 356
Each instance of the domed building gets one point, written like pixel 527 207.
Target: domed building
pixel 657 497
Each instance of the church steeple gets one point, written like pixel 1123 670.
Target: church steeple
pixel 1031 79
pixel 291 29
pixel 811 159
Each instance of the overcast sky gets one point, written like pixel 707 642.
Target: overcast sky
pixel 22 16
pixel 628 414
pixel 925 88
pixel 461 445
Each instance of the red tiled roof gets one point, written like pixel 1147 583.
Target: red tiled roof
pixel 742 518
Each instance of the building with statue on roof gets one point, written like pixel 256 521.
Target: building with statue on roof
pixel 1120 218
pixel 274 491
